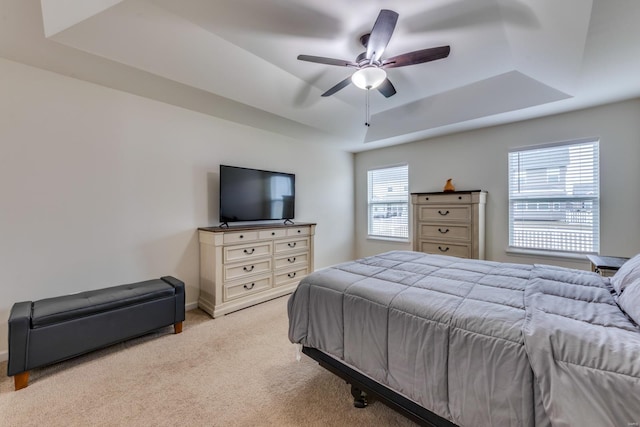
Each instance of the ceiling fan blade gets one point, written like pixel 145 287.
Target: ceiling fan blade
pixel 381 34
pixel 417 57
pixel 386 88
pixel 328 61
pixel 338 87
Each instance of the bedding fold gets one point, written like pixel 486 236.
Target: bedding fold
pixel 584 351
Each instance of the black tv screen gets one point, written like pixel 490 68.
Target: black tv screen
pixel 255 195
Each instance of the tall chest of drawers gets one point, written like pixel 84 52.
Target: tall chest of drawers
pixel 450 223
pixel 245 265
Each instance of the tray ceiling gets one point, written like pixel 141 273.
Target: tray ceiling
pixel 236 59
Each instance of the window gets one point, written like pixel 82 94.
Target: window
pixel 388 202
pixel 554 198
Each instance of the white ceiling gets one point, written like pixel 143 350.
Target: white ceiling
pixel 236 59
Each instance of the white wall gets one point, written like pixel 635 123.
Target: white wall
pixel 100 187
pixel 478 160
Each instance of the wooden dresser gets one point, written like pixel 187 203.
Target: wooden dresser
pixel 245 265
pixel 449 223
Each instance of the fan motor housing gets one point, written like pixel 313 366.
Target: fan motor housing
pixel 364 39
pixel 362 61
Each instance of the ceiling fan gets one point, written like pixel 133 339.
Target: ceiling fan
pixel 370 67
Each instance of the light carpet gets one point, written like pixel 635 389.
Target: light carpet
pixel 237 370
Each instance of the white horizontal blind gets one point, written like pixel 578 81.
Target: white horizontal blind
pixel 388 202
pixel 554 198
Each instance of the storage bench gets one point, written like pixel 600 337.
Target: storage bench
pixel 54 329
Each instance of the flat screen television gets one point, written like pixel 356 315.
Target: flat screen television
pixel 255 195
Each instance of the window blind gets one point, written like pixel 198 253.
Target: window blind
pixel 554 197
pixel 388 202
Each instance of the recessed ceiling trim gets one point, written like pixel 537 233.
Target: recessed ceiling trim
pixel 58 15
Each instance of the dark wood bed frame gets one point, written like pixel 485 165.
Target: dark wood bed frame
pixel 363 388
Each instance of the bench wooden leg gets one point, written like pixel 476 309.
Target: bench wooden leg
pixel 177 327
pixel 21 380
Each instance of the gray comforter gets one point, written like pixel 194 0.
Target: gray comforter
pixel 479 343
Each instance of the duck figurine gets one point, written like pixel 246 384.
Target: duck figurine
pixel 449 187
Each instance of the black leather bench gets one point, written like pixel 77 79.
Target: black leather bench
pixel 54 329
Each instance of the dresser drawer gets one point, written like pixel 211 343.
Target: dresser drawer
pixel 444 213
pixel 237 271
pixel 291 245
pixel 272 234
pixel 442 198
pixel 298 231
pixel 452 249
pixel 444 231
pixel 240 237
pixel 246 252
pixel 292 260
pixel 290 276
pixel 244 288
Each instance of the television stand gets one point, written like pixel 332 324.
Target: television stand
pixel 243 265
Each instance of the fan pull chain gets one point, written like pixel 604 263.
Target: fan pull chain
pixel 367 112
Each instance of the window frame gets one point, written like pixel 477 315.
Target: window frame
pixel 390 206
pixel 555 202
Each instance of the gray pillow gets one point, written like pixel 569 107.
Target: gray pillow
pixel 629 301
pixel 629 273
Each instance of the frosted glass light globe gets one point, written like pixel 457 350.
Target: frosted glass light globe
pixel 368 78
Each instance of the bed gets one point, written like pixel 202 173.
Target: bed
pixel 454 341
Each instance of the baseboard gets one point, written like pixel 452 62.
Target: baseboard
pixel 4 355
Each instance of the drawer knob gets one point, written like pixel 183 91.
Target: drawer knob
pixel 443 213
pixel 292 275
pixel 292 245
pixel 249 253
pixel 241 236
pixel 249 287
pixel 443 250
pixel 248 269
pixel 299 231
pixel 273 233
pixel 291 260
pixel 445 231
pixel 426 198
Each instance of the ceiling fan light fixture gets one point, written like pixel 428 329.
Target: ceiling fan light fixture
pixel 369 77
